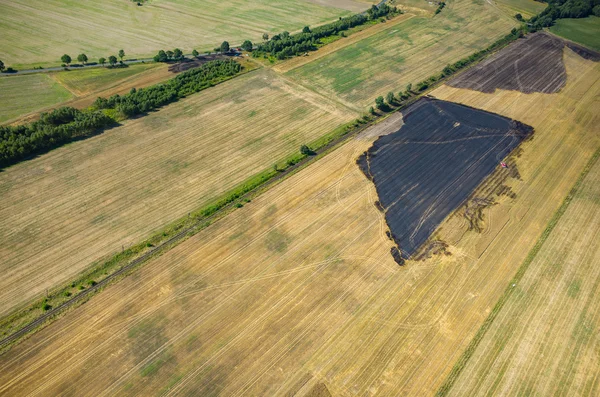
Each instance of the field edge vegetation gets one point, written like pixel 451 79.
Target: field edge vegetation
pixel 470 349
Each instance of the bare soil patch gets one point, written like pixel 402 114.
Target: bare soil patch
pixel 533 64
pixel 431 165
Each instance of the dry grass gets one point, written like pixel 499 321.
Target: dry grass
pixel 404 53
pixel 297 292
pixel 40 31
pixel 76 204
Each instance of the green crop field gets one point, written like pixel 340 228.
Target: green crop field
pixel 88 80
pixel 39 32
pixel 24 94
pixel 584 31
pixel 404 53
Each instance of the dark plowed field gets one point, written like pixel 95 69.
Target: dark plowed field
pixel 430 166
pixel 532 64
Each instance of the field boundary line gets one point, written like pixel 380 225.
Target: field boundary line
pixel 470 350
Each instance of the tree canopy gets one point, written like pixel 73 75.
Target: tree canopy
pixel 66 59
pixel 224 47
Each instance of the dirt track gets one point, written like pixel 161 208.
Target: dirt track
pixel 433 163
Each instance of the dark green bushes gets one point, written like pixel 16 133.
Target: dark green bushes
pixel 66 124
pixel 558 9
pixel 285 45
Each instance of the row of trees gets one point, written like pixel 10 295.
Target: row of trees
pixel 392 100
pixel 82 58
pixel 284 45
pixel 558 9
pixel 65 124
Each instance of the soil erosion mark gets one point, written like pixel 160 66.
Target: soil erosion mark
pixel 532 64
pixel 433 163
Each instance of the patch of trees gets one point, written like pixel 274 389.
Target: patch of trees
pixel 441 6
pixel 285 45
pixel 66 124
pixel 558 9
pixel 147 99
pixel 169 56
pixel 52 130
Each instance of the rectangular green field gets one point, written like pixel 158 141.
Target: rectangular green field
pixel 38 32
pixel 405 53
pixel 585 31
pixel 27 93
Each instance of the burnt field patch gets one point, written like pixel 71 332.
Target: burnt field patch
pixel 532 64
pixel 433 163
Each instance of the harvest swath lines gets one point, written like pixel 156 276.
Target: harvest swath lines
pixel 298 287
pixel 404 53
pixel 103 30
pixel 116 188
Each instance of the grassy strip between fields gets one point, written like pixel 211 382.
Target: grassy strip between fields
pixel 31 317
pixel 470 350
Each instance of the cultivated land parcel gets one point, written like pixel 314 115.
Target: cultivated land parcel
pixel 297 293
pixel 33 31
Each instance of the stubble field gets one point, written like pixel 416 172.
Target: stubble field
pixel 39 32
pixel 404 53
pixel 297 294
pixel 76 204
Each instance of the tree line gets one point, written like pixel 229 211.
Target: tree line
pixel 285 45
pixel 66 124
pixel 558 9
pixel 83 58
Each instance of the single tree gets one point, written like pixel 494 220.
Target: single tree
pixel 247 46
pixel 224 47
pixel 82 58
pixel 519 17
pixel 390 98
pixel 265 36
pixel 170 54
pixel 306 29
pixel 408 87
pixel 66 59
pixel 285 34
pixel 177 54
pixel 121 54
pixel 371 110
pixel 379 103
pixel 195 53
pixel 102 61
pixel 112 60
pixel 1 66
pixel 305 150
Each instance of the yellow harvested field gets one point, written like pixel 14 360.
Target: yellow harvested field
pixel 297 293
pixel 404 53
pixel 84 201
pixel 544 341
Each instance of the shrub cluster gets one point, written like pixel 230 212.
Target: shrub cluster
pixel 52 130
pixel 440 7
pixel 285 45
pixel 147 99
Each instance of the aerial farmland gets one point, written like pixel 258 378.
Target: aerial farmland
pixel 345 198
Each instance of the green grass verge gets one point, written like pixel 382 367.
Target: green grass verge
pixel 470 350
pixel 28 93
pixel 585 31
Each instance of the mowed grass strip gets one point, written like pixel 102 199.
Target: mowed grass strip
pixel 404 53
pixel 88 200
pixel 538 339
pixel 24 94
pixel 527 8
pixel 40 31
pixel 585 31
pixel 299 287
